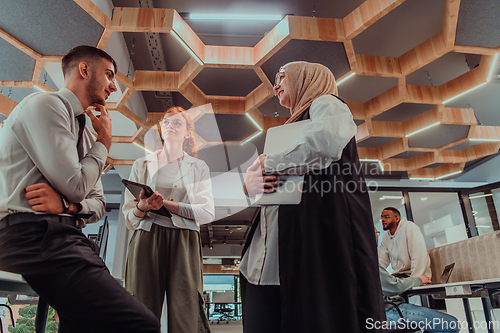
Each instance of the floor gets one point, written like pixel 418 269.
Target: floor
pixel 234 326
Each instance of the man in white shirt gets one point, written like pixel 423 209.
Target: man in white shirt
pixel 427 319
pixel 403 246
pixel 50 168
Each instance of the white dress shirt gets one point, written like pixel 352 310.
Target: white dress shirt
pixel 323 139
pixel 38 145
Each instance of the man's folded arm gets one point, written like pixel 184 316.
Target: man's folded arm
pixel 43 128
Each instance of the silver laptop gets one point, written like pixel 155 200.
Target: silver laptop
pixel 277 139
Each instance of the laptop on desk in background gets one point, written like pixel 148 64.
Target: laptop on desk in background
pixel 445 277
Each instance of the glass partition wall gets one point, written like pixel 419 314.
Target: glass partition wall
pixel 444 215
pixel 483 212
pixel 439 217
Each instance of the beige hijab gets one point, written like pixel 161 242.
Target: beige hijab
pixel 306 82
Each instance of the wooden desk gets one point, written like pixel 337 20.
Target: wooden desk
pixel 485 289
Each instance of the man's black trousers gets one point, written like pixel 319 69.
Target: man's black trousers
pixel 63 267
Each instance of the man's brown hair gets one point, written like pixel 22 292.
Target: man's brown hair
pixel 84 53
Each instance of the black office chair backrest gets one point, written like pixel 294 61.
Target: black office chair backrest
pixel 102 238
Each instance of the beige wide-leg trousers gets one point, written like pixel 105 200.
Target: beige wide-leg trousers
pixel 167 260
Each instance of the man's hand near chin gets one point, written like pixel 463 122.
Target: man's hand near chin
pixel 101 124
pixel 43 198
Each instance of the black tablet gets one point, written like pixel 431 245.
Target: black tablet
pixel 136 188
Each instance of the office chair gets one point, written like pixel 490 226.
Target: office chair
pixel 102 239
pixel 405 329
pixel 226 313
pixel 42 312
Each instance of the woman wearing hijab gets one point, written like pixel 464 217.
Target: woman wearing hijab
pixel 312 267
pixel 165 254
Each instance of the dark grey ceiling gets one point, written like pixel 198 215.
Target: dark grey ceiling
pixel 435 165
pixel 153 103
pixel 438 136
pixel 407 154
pixel 375 142
pixel 153 100
pixel 485 102
pixel 465 145
pixel 272 107
pixel 363 88
pixel 227 81
pixel 16 65
pixel 230 39
pixel 411 23
pixel 330 54
pixel 403 112
pixel 49 31
pixel 478 23
pixel 223 126
pixel 320 8
pixel 224 158
pixel 181 101
pixel 137 47
pixel 250 33
pixel 54 26
pixel 175 55
pixel 444 69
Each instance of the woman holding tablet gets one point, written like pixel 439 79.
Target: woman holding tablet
pixel 165 254
pixel 312 267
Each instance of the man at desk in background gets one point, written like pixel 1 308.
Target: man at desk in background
pixel 50 168
pixel 427 319
pixel 403 246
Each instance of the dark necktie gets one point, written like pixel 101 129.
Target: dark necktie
pixel 79 145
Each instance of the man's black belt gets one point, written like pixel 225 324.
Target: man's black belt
pixel 19 218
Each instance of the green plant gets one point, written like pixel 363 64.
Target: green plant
pixel 26 324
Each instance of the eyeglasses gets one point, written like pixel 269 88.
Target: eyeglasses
pixel 280 76
pixel 387 216
pixel 175 122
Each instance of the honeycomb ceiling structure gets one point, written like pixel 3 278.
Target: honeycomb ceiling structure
pixel 401 94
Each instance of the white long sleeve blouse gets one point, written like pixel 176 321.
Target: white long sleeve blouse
pixel 192 188
pixel 322 142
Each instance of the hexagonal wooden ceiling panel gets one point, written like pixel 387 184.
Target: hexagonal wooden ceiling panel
pixel 399 106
